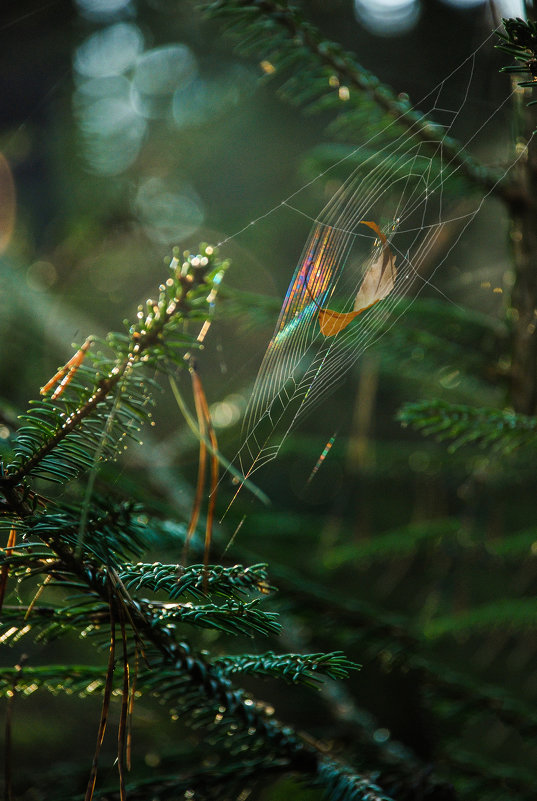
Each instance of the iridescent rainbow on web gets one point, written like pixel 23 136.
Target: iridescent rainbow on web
pixel 312 279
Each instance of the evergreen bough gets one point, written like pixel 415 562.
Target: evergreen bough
pixel 63 438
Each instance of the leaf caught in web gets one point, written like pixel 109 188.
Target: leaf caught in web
pixel 378 282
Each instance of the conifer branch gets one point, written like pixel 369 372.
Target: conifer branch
pixel 84 680
pixel 200 689
pixel 502 431
pixel 375 629
pixel 49 425
pixel 520 40
pixel 306 669
pixel 175 673
pixel 509 614
pixel 197 581
pixel 278 30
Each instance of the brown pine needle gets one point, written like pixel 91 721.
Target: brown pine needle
pixel 8 738
pixel 106 705
pixel 122 728
pixel 8 771
pixel 4 573
pixel 123 597
pixel 201 471
pixel 237 475
pixel 130 709
pixel 37 596
pixel 66 373
pixel 201 401
pixel 232 540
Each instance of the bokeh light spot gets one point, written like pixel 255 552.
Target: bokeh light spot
pixel 103 9
pixel 41 275
pixel 227 412
pixel 464 3
pixel 449 377
pixel 111 128
pixel 510 8
pixel 168 210
pixel 159 72
pixel 111 51
pixel 152 759
pixel 419 461
pixel 96 88
pixel 204 98
pixel 387 17
pixel 381 735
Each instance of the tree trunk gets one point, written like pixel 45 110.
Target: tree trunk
pixel 524 295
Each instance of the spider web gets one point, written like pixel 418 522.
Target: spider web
pixel 401 186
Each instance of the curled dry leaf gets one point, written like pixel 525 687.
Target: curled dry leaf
pixel 378 282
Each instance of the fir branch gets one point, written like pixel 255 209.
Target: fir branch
pixel 200 691
pixel 196 580
pixel 520 40
pixel 401 772
pixel 118 531
pixel 508 614
pixel 309 669
pixel 231 617
pixel 47 623
pixel 82 680
pixel 26 558
pixel 502 431
pixel 277 31
pixel 112 396
pixel 376 629
pixel 341 158
pixel 346 784
pixel 394 544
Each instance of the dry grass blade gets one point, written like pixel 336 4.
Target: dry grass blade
pixel 125 702
pixel 37 596
pixel 105 708
pixel 201 401
pixel 8 762
pixel 4 574
pixel 202 463
pixel 130 710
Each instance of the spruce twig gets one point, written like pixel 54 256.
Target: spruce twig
pixel 145 337
pixel 259 17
